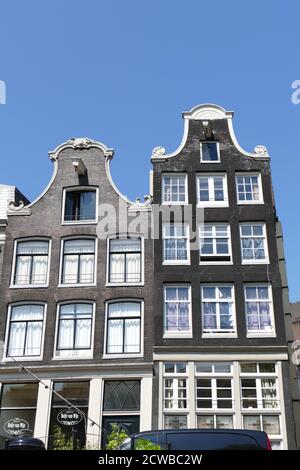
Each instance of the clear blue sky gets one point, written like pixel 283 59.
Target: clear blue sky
pixel 122 71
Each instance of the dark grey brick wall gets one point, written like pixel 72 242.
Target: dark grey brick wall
pixel 45 221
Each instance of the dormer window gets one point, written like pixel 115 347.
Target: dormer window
pixel 209 152
pixel 80 205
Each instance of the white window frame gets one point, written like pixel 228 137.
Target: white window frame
pixel 6 342
pixel 214 376
pixel 106 355
pixel 110 284
pixel 82 237
pixel 178 334
pixel 255 261
pixel 214 224
pixel 261 333
pixel 272 437
pixel 261 197
pixel 218 151
pixel 79 222
pixel 259 396
pixel 173 203
pixel 175 376
pixel 14 264
pixel 62 357
pixel 222 334
pixel 187 238
pixel 215 414
pixel 211 202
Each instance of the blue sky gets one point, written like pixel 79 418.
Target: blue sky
pixel 123 71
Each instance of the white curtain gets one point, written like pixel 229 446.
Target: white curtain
pixel 39 259
pixel 118 248
pixel 29 345
pixel 82 314
pixel 124 311
pixel 72 250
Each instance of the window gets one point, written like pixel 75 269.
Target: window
pixel 175 386
pixel 175 421
pixel 17 410
pixel 213 385
pixel 215 421
pixel 78 265
pixel 25 331
pixel 174 189
pixel 258 368
pixel 176 244
pixel 249 189
pixel 125 261
pixel 178 321
pixel 74 330
pixel 259 393
pixel 121 395
pixel 253 243
pixel 215 246
pixel 66 418
pixel 218 311
pixel 268 423
pixel 123 328
pixel 259 310
pixel 80 205
pixel 212 190
pixel 31 263
pixel 209 152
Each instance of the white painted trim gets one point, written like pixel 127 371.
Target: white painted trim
pixel 172 203
pixel 125 284
pixel 218 152
pixel 178 334
pixel 215 357
pixel 261 334
pixel 214 263
pixel 61 257
pixel 176 262
pixel 213 334
pixel 43 409
pixel 6 359
pixel 281 395
pixel 146 404
pixel 94 413
pixel 74 358
pixel 261 194
pixel 30 286
pixel 207 111
pixel 75 189
pixel 264 261
pixel 210 175
pixel 106 355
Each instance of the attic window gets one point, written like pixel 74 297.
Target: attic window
pixel 209 152
pixel 80 205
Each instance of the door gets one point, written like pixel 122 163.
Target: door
pixel 130 424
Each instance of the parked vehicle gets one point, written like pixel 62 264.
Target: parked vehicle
pixel 198 439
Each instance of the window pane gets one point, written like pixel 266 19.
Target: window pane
pixel 76 392
pixel 271 424
pixel 175 422
pixel 209 151
pixel 202 367
pixel 80 205
pixel 252 422
pixel 224 422
pixel 205 422
pixel 122 395
pixel 19 395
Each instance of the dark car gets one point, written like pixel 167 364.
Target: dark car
pixel 198 439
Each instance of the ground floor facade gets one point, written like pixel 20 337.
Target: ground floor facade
pixel 177 390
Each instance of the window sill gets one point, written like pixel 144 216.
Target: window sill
pixel 181 203
pixel 211 204
pixel 219 335
pixel 247 203
pixel 71 358
pixel 76 285
pixel 271 334
pixel 176 263
pixel 215 263
pixel 177 335
pixel 21 358
pixel 29 286
pixel 124 284
pixel 121 356
pixel 79 222
pixel 210 161
pixel 265 261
